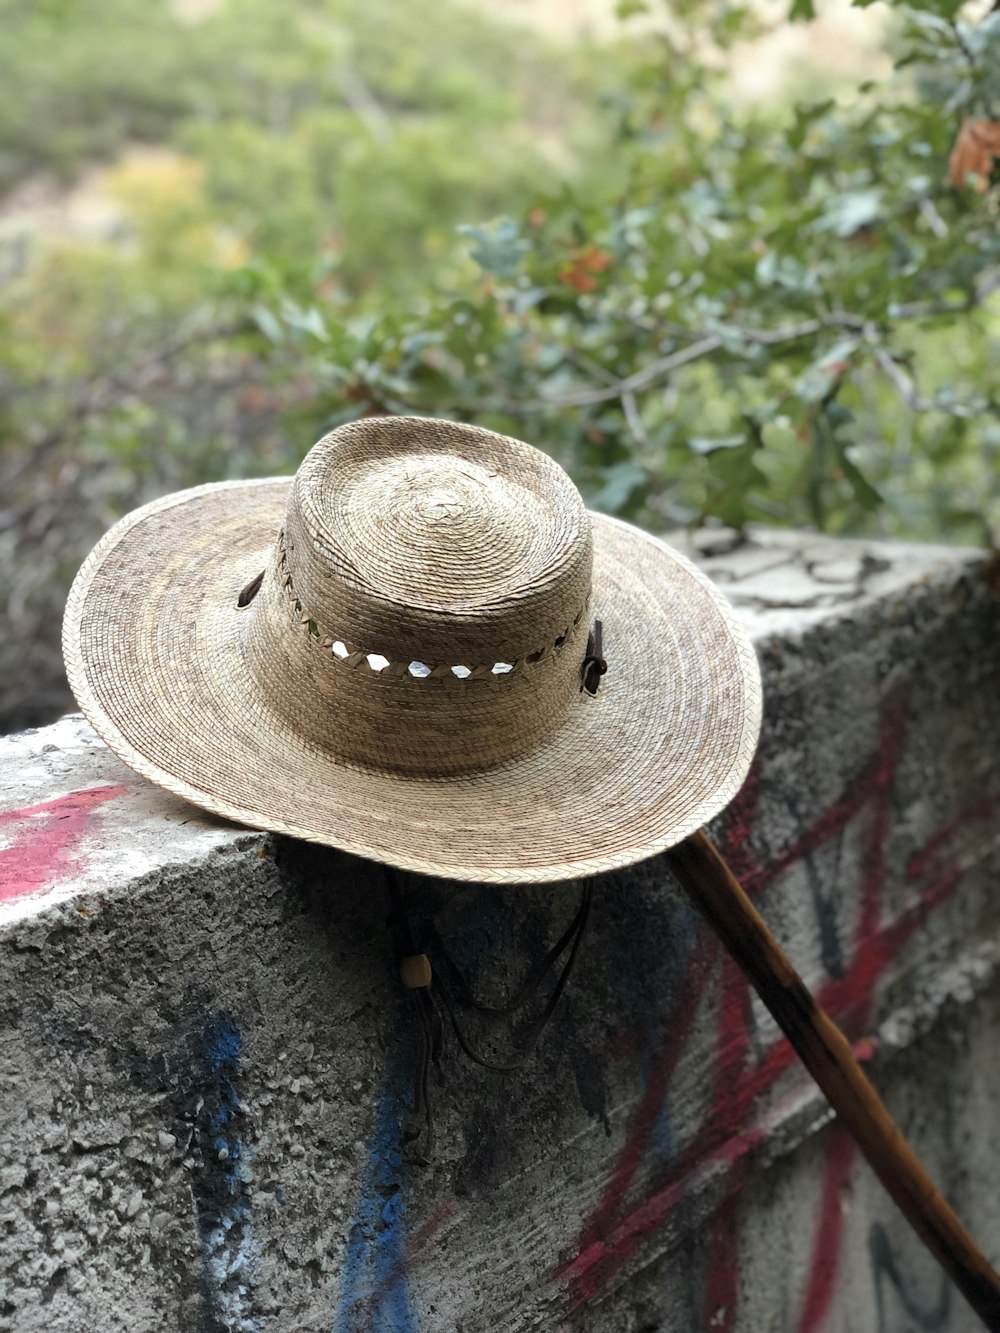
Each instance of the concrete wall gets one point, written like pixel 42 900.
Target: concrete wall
pixel 206 1060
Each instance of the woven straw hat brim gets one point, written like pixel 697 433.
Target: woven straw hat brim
pixel 153 656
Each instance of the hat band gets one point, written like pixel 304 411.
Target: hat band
pixel 382 714
pixel 351 655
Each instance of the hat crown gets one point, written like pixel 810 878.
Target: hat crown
pixel 428 605
pixel 437 543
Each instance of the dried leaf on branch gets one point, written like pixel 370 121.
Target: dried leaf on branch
pixel 582 271
pixel 976 148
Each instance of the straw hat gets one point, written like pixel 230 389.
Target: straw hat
pixel 386 653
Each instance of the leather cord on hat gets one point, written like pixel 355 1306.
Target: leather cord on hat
pixel 594 665
pixel 571 939
pixel 430 1044
pixel 443 992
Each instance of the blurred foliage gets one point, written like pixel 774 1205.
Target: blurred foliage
pixel 306 211
pixel 779 315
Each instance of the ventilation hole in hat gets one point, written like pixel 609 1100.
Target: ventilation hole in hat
pixel 377 662
pixel 251 590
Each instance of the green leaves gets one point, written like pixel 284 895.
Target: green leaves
pixel 620 483
pixel 726 334
pixel 703 310
pixel 706 445
pixel 498 248
pixel 626 9
pixel 944 8
pixel 822 377
pixel 847 214
pixel 866 495
pixel 788 272
pixel 734 476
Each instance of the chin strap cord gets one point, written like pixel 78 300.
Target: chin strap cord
pixel 440 994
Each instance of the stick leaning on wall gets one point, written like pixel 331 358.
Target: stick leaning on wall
pixel 826 1053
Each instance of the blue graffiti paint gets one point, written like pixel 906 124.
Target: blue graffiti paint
pixel 223 1043
pixel 374 1289
pixel 221 1046
pixel 221 1194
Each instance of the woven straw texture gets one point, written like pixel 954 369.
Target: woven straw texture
pixel 402 679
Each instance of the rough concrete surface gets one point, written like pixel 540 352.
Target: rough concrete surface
pixel 206 1060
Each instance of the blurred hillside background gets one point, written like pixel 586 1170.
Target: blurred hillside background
pixel 728 262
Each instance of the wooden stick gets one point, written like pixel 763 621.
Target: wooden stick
pixel 827 1055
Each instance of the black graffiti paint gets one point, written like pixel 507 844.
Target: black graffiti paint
pixel 888 1280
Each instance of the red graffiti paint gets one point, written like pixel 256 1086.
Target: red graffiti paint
pixel 45 846
pixel 733 1126
pixel 825 1261
pixel 721 1287
pixel 695 979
